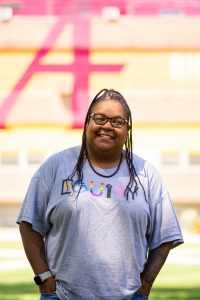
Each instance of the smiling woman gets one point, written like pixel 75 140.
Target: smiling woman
pixel 97 221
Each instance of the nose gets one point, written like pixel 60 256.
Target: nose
pixel 107 125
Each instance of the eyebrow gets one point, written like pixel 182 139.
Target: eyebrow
pixel 117 116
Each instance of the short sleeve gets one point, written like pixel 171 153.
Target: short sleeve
pixel 35 204
pixel 164 223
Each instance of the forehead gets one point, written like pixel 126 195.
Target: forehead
pixel 109 107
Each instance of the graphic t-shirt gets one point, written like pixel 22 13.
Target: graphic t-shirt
pixel 97 243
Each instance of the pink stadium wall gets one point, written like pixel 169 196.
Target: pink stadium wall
pixel 136 7
pixel 154 34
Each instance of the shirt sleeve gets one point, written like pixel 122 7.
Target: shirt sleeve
pixel 34 208
pixel 164 223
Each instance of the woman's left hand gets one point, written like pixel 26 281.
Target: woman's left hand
pixel 48 286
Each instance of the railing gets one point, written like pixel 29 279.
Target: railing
pixel 165 160
pixel 180 171
pixel 92 7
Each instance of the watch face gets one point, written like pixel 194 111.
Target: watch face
pixel 38 280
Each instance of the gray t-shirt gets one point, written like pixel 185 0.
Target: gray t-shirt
pixel 97 245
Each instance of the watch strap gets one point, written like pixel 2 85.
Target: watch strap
pixel 45 275
pixel 39 279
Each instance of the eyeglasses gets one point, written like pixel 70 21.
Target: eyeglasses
pixel 101 119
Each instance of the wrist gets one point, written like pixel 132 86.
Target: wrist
pixel 145 288
pixel 147 282
pixel 40 278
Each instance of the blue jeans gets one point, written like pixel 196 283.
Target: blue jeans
pixel 138 296
pixel 49 296
pixel 53 296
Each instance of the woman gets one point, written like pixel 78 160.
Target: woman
pixel 97 222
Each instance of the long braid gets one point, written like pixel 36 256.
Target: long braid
pixel 78 169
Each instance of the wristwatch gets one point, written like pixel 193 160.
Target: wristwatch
pixel 39 279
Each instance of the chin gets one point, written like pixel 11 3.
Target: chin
pixel 105 149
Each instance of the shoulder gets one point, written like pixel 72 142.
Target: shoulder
pixel 145 168
pixel 142 166
pixel 151 177
pixel 52 163
pixel 67 154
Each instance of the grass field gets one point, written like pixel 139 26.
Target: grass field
pixel 176 281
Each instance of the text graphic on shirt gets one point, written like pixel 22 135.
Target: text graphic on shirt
pixel 107 190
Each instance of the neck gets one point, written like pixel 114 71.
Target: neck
pixel 104 160
pixel 104 175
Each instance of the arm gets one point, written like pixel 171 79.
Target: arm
pixel 35 251
pixel 155 261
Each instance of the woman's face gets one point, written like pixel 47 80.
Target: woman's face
pixel 106 138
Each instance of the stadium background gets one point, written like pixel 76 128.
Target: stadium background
pixel 56 55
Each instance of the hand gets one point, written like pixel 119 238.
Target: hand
pixel 48 286
pixel 145 288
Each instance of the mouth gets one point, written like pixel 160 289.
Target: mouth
pixel 104 135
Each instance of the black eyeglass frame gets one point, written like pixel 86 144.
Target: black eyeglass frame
pixel 110 120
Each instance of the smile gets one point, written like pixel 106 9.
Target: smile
pixel 106 136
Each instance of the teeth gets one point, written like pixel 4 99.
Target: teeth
pixel 106 135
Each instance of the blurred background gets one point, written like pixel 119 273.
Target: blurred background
pixel 55 55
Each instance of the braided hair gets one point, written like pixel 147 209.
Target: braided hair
pixel 132 186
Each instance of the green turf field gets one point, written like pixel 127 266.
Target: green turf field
pixel 174 281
